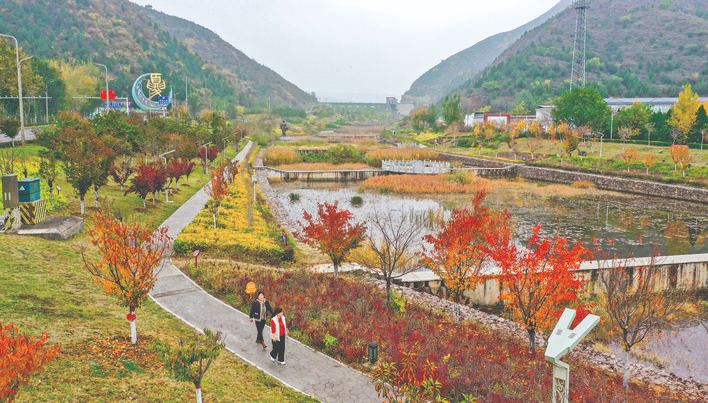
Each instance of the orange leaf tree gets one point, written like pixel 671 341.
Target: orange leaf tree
pixel 630 156
pixel 20 356
pixel 332 232
pixel 458 253
pixel 131 254
pixel 681 156
pixel 539 280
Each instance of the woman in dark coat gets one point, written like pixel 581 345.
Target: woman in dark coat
pixel 261 312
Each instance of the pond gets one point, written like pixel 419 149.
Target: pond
pixel 676 227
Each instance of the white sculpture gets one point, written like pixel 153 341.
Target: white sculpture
pixel 561 342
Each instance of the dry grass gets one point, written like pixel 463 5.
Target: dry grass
pixel 279 155
pixel 323 166
pixel 375 157
pixel 420 184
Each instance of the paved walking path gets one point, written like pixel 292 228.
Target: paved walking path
pixel 307 371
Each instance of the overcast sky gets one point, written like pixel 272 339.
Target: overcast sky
pixel 353 50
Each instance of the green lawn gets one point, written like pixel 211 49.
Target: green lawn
pixel 45 288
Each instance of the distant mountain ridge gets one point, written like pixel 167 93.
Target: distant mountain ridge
pixel 635 48
pixel 452 72
pixel 131 40
pixel 243 71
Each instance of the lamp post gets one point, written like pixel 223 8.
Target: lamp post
pixel 206 156
pixel 107 97
pixel 19 85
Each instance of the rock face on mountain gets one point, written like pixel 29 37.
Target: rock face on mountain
pixel 454 71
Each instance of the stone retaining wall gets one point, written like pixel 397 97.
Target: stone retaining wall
pixel 600 181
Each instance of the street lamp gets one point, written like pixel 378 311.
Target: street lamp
pixel 206 156
pixel 19 85
pixel 107 97
pixel 612 119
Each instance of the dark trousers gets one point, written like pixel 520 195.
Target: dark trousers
pixel 260 324
pixel 278 352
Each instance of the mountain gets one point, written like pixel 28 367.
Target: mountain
pixel 635 48
pixel 132 40
pixel 255 78
pixel 452 72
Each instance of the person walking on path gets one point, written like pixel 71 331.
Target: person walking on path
pixel 279 330
pixel 260 310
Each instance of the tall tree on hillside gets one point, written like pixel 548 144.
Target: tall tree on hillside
pixel 389 246
pixel 452 109
pixel 333 232
pixel 631 299
pixel 539 280
pixel 684 113
pixel 582 106
pixel 131 256
pixel 458 252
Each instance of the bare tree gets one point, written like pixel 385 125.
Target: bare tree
pixel 639 299
pixel 390 243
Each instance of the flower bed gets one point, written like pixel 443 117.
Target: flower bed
pixel 239 235
pixel 341 318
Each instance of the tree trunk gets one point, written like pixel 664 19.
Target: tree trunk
pixel 214 215
pixel 199 395
pixel 144 205
pixel 95 198
pixel 83 207
pixel 133 330
pixel 625 378
pixel 532 340
pixel 336 272
pixel 388 291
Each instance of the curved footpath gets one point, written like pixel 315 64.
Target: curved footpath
pixel 307 370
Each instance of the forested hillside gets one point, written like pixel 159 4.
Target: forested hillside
pixel 452 72
pixel 635 48
pixel 132 40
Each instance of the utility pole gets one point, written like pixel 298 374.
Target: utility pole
pixel 19 85
pixel 107 97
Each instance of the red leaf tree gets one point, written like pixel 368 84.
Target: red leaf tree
pixel 458 253
pixel 207 154
pixel 131 253
pixel 332 232
pixel 87 160
pixel 20 356
pixel 149 178
pixel 539 280
pixel 217 189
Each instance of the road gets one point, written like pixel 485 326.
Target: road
pixel 29 135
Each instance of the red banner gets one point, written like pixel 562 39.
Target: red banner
pixel 111 95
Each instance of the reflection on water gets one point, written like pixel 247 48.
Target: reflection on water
pixel 681 351
pixel 678 227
